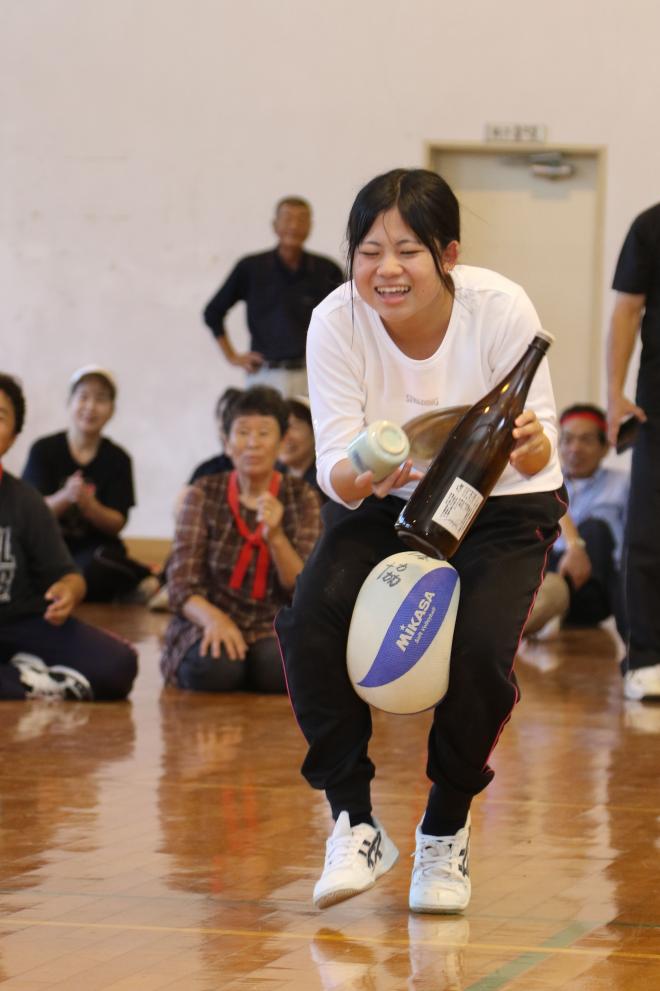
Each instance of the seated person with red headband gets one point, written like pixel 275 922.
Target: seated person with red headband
pixel 241 539
pixel 582 586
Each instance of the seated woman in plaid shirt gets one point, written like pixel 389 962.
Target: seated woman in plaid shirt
pixel 241 539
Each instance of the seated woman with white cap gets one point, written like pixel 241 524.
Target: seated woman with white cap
pixel 87 481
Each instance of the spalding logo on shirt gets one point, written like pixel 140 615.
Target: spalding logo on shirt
pixel 413 628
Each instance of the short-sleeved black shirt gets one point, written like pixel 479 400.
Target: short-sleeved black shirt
pixel 279 300
pixel 638 272
pixel 50 463
pixel 33 554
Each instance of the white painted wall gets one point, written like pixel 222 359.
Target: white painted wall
pixel 144 142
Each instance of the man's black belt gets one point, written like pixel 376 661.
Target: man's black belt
pixel 290 364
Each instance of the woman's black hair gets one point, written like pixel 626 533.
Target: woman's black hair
pixel 262 400
pixel 301 411
pixel 223 404
pixel 14 394
pixel 426 204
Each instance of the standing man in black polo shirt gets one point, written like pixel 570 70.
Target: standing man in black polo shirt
pixel 637 284
pixel 281 287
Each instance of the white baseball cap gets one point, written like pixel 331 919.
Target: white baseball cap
pixel 96 370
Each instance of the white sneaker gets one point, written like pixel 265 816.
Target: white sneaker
pixel 641 718
pixel 642 683
pixel 142 593
pixel 72 684
pixel 57 682
pixel 354 859
pixel 441 873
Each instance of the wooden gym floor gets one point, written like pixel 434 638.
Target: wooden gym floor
pixel 169 843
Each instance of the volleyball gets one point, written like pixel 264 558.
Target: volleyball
pixel 400 637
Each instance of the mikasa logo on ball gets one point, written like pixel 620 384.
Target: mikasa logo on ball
pixel 413 627
pixel 410 630
pixel 401 632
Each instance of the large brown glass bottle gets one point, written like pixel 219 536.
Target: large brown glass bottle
pixel 463 473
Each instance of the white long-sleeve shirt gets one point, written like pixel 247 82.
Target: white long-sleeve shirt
pixel 357 374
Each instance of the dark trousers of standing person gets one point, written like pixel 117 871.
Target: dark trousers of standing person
pixel 500 564
pixel 108 571
pixel 602 595
pixel 642 553
pixel 108 662
pixel 259 671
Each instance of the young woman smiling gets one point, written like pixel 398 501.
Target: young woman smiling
pixel 413 330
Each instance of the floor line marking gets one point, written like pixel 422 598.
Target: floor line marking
pixel 217 901
pixel 527 961
pixel 543 950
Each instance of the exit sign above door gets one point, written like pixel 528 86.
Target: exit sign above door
pixel 533 133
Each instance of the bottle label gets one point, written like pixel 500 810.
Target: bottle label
pixel 458 508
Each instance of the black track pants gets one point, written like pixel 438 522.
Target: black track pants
pixel 642 552
pixel 107 661
pixel 500 563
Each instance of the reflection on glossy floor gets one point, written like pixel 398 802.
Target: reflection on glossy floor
pixel 170 843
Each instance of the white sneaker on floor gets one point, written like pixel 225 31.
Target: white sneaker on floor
pixel 33 673
pixel 72 683
pixel 441 873
pixel 641 718
pixel 354 859
pixel 642 683
pixel 143 592
pixel 57 682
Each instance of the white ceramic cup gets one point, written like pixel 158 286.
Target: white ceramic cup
pixel 380 447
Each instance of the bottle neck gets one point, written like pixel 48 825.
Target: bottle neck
pixel 540 343
pixel 522 373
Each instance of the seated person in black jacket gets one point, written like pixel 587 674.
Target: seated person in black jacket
pixel 87 481
pixel 297 453
pixel 44 652
pixel 222 461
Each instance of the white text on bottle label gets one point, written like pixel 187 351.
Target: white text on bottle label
pixel 458 508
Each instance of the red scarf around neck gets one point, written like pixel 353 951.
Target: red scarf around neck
pixel 252 540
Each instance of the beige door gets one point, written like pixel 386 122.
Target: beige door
pixel 543 233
